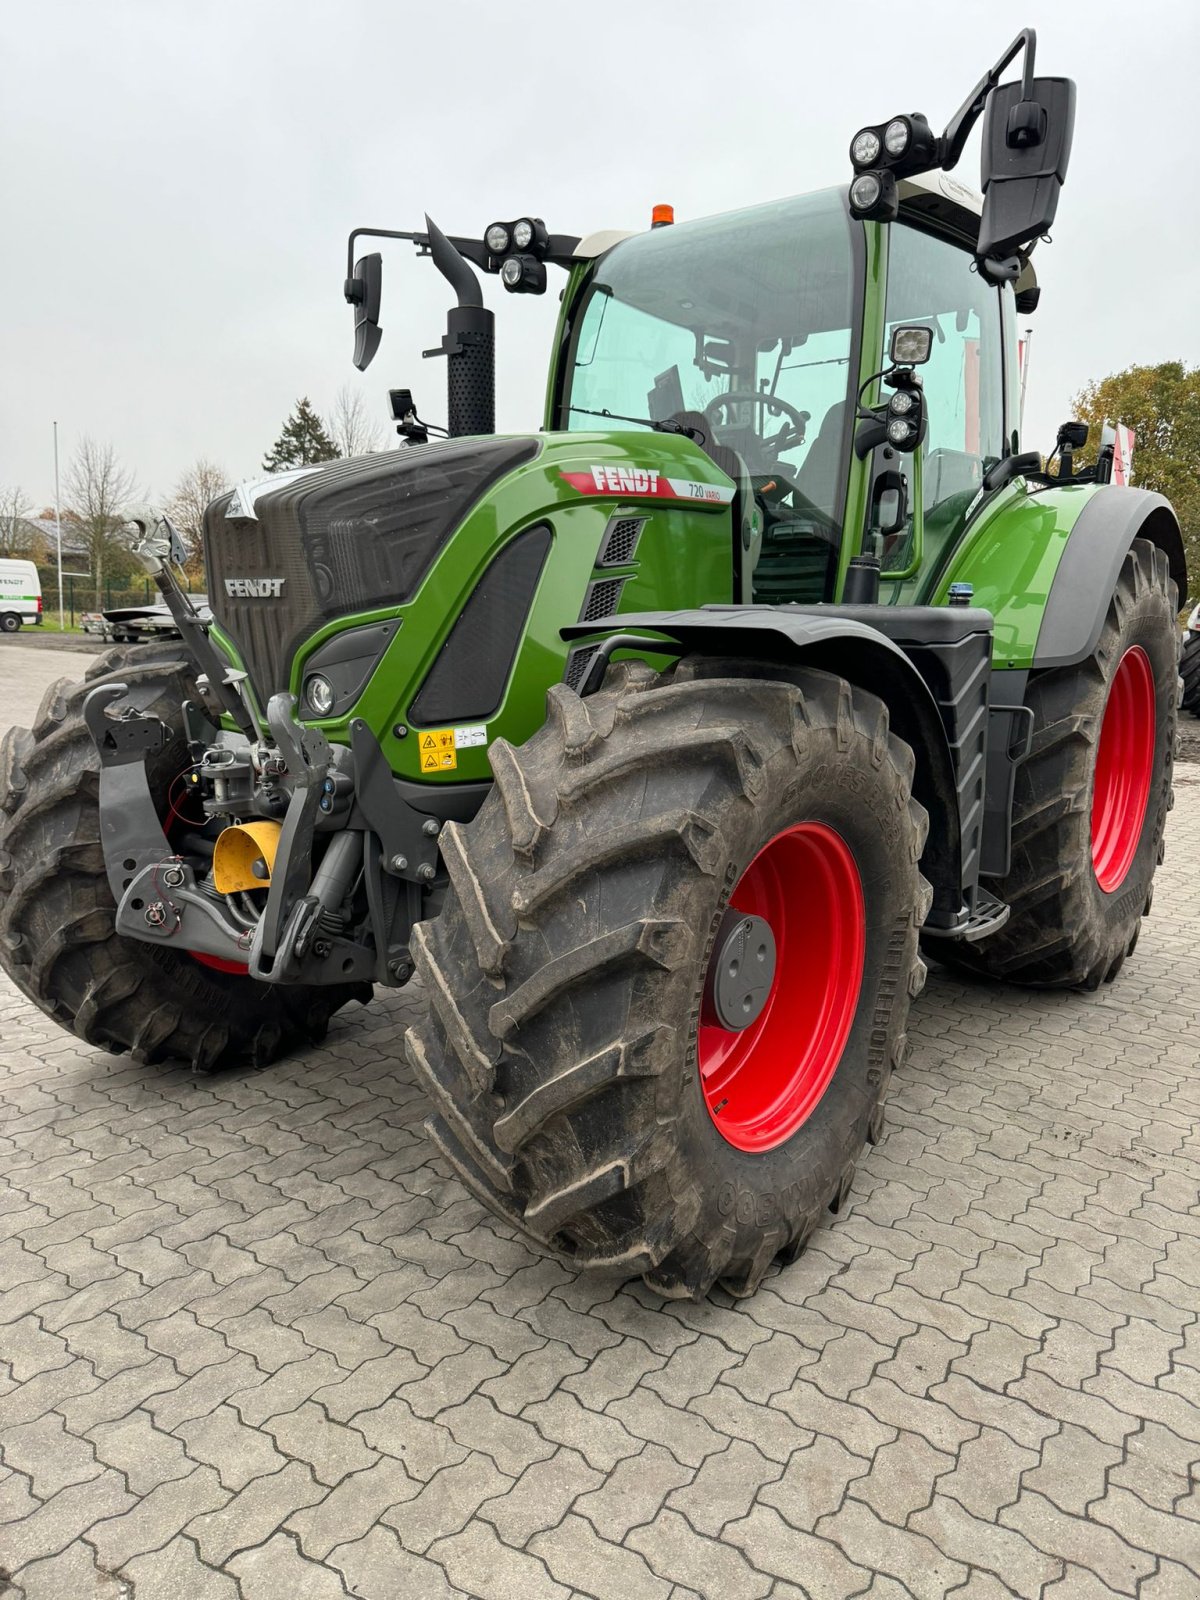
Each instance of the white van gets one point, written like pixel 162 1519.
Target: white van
pixel 20 594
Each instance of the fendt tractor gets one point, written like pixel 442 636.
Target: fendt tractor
pixel 662 742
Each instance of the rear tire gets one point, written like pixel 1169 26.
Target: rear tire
pixel 10 622
pixel 567 970
pixel 57 939
pixel 1066 930
pixel 1189 671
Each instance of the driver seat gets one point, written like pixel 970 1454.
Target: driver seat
pixel 821 468
pixel 748 545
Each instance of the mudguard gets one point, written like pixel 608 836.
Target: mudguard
pixel 824 638
pixel 1087 573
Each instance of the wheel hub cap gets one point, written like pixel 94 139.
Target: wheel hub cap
pixel 742 970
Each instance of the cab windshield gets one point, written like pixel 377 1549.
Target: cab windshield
pixel 742 330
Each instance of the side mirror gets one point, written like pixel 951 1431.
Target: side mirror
pixel 911 345
pixel 1027 133
pixel 363 293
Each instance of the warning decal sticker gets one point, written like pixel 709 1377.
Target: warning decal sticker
pixel 437 750
pixel 439 747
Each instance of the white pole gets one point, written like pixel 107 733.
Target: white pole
pixel 62 627
pixel 1025 371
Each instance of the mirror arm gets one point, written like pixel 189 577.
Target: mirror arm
pixel 421 239
pixel 958 129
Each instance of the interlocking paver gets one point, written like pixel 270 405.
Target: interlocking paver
pixel 224 1441
pixel 773 1546
pixel 378 1567
pixel 277 1570
pixel 541 1497
pixel 492 1570
pixel 65 1517
pixel 253 1513
pixel 633 1493
pixel 254 1340
pixel 145 1454
pixel 576 1554
pixel 329 1448
pixel 49 1456
pixel 1098 1550
pixel 726 1485
pixel 445 1504
pixel 74 1573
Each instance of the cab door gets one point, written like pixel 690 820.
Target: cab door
pixel 932 280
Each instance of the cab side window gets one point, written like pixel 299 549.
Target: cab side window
pixel 932 281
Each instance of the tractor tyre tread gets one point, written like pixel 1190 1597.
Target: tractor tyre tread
pixel 1063 931
pixel 561 971
pixel 1189 672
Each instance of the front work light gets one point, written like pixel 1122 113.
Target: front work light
pixel 895 137
pixel 898 430
pixel 523 275
pixel 873 197
pixel 522 234
pixel 496 238
pixel 865 147
pixel 911 344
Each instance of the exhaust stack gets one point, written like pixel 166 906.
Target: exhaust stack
pixel 469 345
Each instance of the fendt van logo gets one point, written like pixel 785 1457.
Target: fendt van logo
pixel 254 588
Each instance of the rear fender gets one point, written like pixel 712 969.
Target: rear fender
pixel 865 658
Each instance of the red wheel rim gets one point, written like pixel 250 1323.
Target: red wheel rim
pixel 1124 768
pixel 764 1082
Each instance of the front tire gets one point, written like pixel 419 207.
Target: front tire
pixel 572 1052
pixel 57 938
pixel 1091 800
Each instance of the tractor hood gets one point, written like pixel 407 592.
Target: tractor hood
pixel 288 554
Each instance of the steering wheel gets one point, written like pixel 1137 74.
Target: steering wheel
pixel 786 439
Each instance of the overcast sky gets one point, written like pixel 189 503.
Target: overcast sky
pixel 178 178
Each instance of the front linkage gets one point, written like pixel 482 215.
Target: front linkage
pixel 345 920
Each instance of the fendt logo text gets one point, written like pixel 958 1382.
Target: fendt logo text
pixel 254 588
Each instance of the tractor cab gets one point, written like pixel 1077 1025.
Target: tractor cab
pixel 755 333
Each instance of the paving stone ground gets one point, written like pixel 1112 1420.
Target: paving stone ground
pixel 255 1342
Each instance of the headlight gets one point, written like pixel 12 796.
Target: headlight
pixel 864 151
pixel 318 691
pixel 899 431
pixel 895 137
pixel 865 190
pixel 496 238
pixel 522 234
pixel 901 403
pixel 512 272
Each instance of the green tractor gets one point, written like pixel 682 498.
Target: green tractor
pixel 662 742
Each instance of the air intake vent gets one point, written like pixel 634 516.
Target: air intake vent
pixel 578 662
pixel 620 541
pixel 468 679
pixel 601 599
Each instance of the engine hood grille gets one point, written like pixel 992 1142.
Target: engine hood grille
pixel 350 536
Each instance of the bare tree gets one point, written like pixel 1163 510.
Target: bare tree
pixel 196 489
pixel 15 532
pixel 350 425
pixel 97 489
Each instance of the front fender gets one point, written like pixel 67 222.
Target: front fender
pixel 825 639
